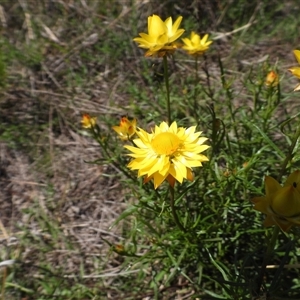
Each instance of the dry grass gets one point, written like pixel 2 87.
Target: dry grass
pixel 63 59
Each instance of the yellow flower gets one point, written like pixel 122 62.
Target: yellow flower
pixel 195 45
pixel 272 79
pixel 161 36
pixel 126 129
pixel 119 249
pixel 87 121
pixel 296 70
pixel 281 205
pixel 168 153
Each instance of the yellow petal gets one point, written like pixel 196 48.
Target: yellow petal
pixel 297 55
pixel 187 43
pixel 172 29
pixel 269 221
pixel 272 79
pixel 286 202
pixel 294 220
pixel 171 180
pixel 295 71
pixel 176 35
pixel 156 26
pixel 158 179
pixel 271 185
pixel 126 129
pixel 282 224
pixel 261 204
pixel 195 38
pixel 294 179
pixel 176 173
pixel 177 24
pixel 87 121
pixel 190 176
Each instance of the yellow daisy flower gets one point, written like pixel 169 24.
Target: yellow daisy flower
pixel 272 79
pixel 126 129
pixel 195 45
pixel 296 70
pixel 281 205
pixel 160 37
pixel 87 121
pixel 168 153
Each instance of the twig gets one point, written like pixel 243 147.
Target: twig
pixel 222 35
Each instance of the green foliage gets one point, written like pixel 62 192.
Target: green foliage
pixel 220 250
pixel 201 240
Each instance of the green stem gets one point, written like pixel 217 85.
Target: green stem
pixel 290 153
pixel 229 98
pixel 166 75
pixel 3 283
pixel 267 256
pixel 173 209
pixel 97 137
pixel 196 82
pixel 196 69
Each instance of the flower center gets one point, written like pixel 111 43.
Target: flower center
pixel 165 143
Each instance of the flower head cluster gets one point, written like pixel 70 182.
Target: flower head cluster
pixel 272 79
pixel 161 36
pixel 296 70
pixel 87 121
pixel 281 205
pixel 126 129
pixel 168 153
pixel 195 45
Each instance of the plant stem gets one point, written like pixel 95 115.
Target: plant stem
pixel 229 98
pixel 196 82
pixel 96 135
pixel 166 75
pixel 173 209
pixel 290 153
pixel 196 69
pixel 267 256
pixel 3 283
pixel 276 230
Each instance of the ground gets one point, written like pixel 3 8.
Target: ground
pixel 60 59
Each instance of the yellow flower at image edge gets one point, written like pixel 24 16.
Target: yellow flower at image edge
pixel 195 45
pixel 168 153
pixel 87 121
pixel 281 205
pixel 161 36
pixel 126 129
pixel 296 70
